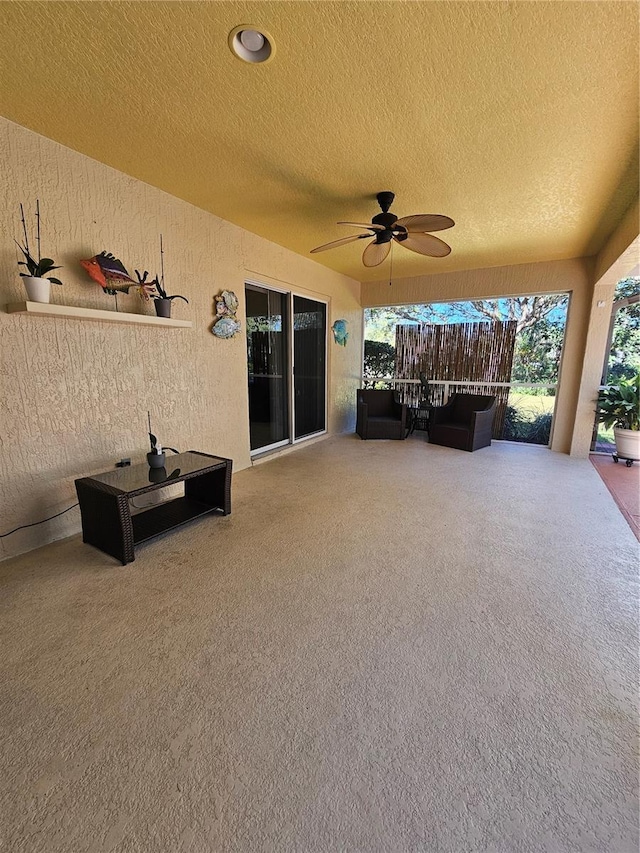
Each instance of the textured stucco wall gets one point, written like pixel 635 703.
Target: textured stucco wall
pixel 75 394
pixel 620 255
pixel 573 276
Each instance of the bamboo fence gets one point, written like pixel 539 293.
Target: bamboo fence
pixel 458 353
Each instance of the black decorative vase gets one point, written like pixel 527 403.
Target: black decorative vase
pixel 163 307
pixel 155 460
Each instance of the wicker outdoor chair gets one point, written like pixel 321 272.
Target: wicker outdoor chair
pixel 465 422
pixel 380 415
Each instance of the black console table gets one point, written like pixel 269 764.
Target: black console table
pixel 107 522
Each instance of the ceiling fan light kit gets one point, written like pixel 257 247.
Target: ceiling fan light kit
pixel 410 231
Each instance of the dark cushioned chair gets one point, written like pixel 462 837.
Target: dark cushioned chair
pixel 380 415
pixel 465 422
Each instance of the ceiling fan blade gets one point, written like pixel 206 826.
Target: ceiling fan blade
pixel 425 244
pixel 375 253
pixel 341 242
pixel 364 225
pixel 426 222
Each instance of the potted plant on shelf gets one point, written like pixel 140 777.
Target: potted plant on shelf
pixel 619 407
pixel 162 301
pixel 37 284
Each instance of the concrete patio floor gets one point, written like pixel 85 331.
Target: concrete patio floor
pixel 387 646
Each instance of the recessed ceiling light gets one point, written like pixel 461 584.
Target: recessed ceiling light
pixel 251 44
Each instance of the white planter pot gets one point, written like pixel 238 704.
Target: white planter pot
pixel 38 289
pixel 627 443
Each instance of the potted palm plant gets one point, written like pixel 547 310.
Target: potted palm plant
pixel 619 407
pixel 37 280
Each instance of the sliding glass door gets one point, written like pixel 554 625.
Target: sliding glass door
pixel 309 366
pixel 286 359
pixel 268 367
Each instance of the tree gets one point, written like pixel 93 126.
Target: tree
pixel 540 329
pixel 536 357
pixel 624 354
pixel 527 311
pixel 379 359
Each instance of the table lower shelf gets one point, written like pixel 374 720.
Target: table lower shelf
pixel 167 516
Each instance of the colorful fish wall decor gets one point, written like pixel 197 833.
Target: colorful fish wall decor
pixel 109 273
pixel 340 333
pixel 225 324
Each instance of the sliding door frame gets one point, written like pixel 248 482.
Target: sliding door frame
pixel 286 441
pixel 290 292
pixel 325 302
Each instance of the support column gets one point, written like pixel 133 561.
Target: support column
pixel 619 258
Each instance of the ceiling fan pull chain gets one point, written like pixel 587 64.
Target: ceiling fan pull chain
pixel 391 265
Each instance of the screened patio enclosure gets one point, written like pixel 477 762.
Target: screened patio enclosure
pixel 517 360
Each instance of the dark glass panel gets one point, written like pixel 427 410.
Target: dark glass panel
pixel 267 363
pixel 309 356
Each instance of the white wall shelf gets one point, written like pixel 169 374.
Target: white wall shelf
pixel 68 312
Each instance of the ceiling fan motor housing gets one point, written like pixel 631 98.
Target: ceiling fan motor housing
pixel 385 219
pixel 384 236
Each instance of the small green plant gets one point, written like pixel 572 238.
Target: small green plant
pixel 619 405
pixel 37 268
pixel 517 427
pixel 161 293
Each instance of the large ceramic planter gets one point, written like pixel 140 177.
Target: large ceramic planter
pixel 627 443
pixel 163 307
pixel 38 289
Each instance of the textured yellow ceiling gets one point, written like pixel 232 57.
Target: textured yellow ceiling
pixel 519 120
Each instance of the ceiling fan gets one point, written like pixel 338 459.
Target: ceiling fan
pixel 410 232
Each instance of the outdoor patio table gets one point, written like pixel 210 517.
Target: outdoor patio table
pixel 419 417
pixel 107 521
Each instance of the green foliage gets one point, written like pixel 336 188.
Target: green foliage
pixel 536 356
pixel 627 287
pixel 528 418
pixel 619 405
pixel 379 360
pixel 518 428
pixel 624 356
pixel 511 422
pixel 37 269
